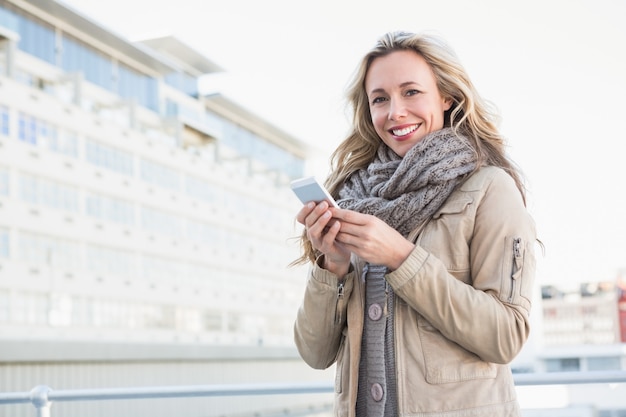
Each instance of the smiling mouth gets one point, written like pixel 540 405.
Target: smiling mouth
pixel 405 131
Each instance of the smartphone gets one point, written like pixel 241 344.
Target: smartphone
pixel 308 189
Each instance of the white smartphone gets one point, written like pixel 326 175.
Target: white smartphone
pixel 308 189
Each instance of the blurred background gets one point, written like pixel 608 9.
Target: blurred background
pixel 146 221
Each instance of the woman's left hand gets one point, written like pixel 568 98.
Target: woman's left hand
pixel 372 239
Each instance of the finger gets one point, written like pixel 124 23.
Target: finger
pixel 316 213
pixel 329 238
pixel 350 229
pixel 348 240
pixel 304 212
pixel 317 228
pixel 349 216
pixel 315 224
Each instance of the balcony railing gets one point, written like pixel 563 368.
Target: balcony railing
pixel 42 397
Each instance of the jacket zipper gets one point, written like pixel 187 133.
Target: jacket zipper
pixel 517 265
pixel 339 297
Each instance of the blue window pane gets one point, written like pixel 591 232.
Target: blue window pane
pixel 9 20
pixel 4 120
pixel 109 158
pixel 27 127
pixel 183 82
pixel 78 57
pixel 36 38
pixel 141 88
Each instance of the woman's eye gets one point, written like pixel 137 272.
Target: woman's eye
pixel 376 100
pixel 412 92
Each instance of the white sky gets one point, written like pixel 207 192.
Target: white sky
pixel 556 70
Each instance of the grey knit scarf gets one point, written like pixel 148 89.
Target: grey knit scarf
pixel 405 193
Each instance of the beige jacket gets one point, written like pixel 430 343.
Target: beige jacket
pixel 461 309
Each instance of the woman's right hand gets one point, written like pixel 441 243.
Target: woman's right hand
pixel 322 229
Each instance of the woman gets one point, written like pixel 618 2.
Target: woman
pixel 421 282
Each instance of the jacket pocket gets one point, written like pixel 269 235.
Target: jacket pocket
pixel 445 361
pixel 453 206
pixel 454 222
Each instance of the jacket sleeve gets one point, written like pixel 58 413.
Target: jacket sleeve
pixel 490 316
pixel 321 318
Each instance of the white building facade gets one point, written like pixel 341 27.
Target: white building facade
pixel 127 204
pixel 139 220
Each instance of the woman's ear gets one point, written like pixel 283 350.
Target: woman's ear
pixel 447 103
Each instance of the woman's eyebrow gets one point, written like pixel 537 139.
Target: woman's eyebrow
pixel 402 85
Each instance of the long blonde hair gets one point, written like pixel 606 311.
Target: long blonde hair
pixel 469 115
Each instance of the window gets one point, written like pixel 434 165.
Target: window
pixel 233 322
pixel 201 190
pixel 159 175
pixel 37 38
pixel 4 244
pixel 188 319
pixel 82 311
pixel 60 313
pixel 109 313
pixel 563 365
pixel 159 270
pixel 107 261
pixel 40 250
pixel 183 82
pixel 212 321
pixel 5 306
pixel 109 158
pixel 250 145
pixel 612 413
pixel 158 221
pixel 609 363
pixel 4 120
pixel 4 181
pixel 156 317
pixel 8 19
pixel 38 132
pixel 65 143
pixel 136 86
pixel 29 308
pixel 80 57
pixel 198 274
pixel 27 129
pixel 46 193
pixel 238 204
pixel 110 209
pixel 203 233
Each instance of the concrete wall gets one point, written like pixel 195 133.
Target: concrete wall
pixel 75 366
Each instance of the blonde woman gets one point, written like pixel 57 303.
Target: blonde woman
pixel 420 284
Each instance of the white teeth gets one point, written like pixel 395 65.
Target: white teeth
pixel 405 131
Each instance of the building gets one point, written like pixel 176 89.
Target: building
pixel 145 227
pixel 589 315
pixel 592 314
pixel 580 330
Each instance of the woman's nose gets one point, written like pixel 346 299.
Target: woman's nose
pixel 397 110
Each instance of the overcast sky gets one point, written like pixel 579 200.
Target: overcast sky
pixel 555 69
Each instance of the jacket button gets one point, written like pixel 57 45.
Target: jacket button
pixel 377 392
pixel 375 312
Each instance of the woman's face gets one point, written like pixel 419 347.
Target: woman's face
pixel 404 100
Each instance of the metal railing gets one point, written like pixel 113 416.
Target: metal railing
pixel 43 396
